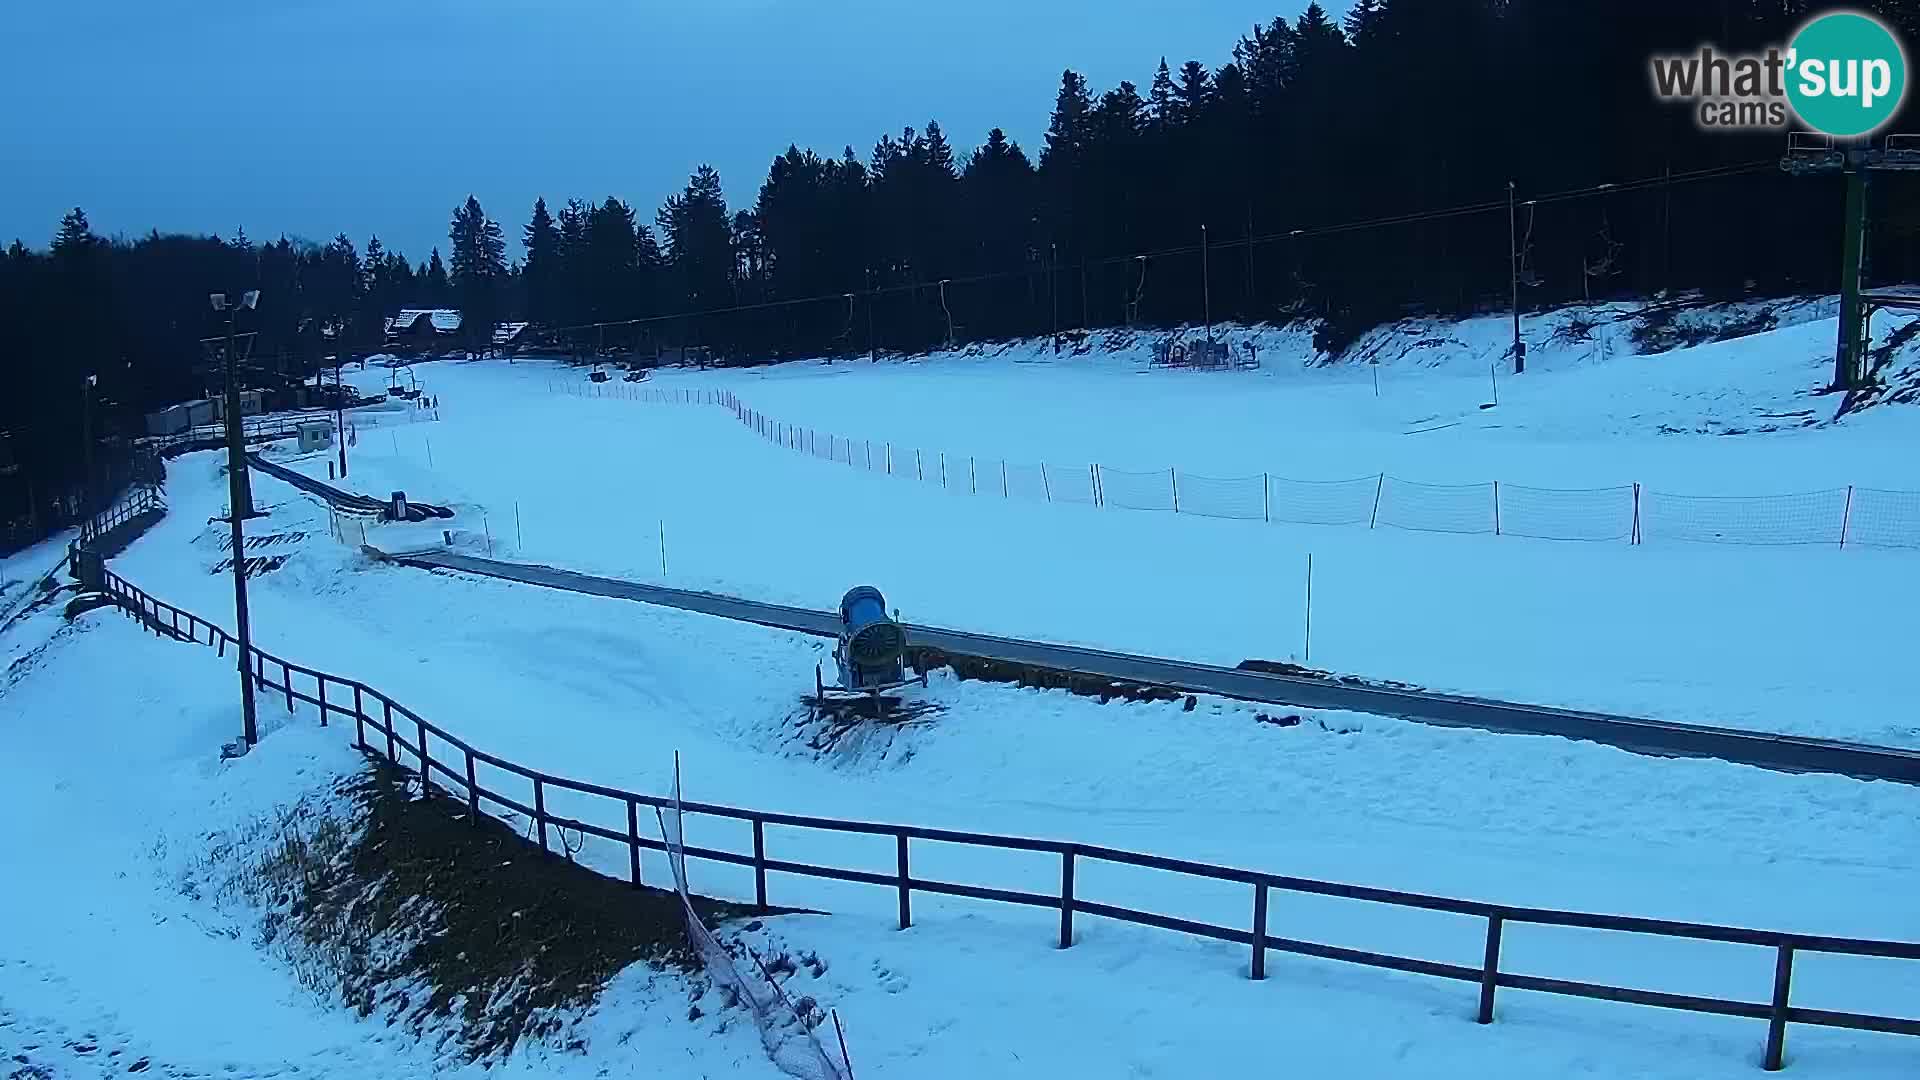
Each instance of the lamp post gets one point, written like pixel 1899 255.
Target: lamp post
pixel 86 440
pixel 1206 291
pixel 1513 283
pixel 240 507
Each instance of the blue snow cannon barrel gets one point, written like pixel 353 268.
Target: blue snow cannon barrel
pixel 872 642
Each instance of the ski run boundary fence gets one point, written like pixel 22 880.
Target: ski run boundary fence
pixel 387 730
pixel 1630 513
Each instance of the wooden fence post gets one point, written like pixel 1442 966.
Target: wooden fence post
pixel 322 680
pixel 759 865
pixel 1777 1021
pixel 1496 508
pixel 540 812
pixel 1066 898
pixel 426 775
pixel 1846 517
pixel 1490 969
pixel 1173 481
pixel 1266 498
pixel 1003 478
pixel 393 752
pixel 1258 968
pixel 919 466
pixel 1634 537
pixel 286 680
pixel 1378 486
pixel 359 722
pixel 906 902
pixel 973 478
pixel 1046 485
pixel 633 841
pixel 473 792
pixel 1093 477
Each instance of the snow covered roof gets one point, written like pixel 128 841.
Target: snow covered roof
pixel 507 331
pixel 444 320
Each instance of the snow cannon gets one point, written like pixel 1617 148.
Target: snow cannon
pixel 872 648
pixel 871 655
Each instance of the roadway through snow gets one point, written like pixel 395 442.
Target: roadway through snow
pixel 1783 753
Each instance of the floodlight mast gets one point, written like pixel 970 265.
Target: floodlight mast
pixel 239 508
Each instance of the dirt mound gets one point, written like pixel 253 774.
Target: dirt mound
pixel 413 911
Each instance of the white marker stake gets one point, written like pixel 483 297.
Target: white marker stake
pixel 1308 656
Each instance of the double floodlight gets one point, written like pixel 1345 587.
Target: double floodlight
pixel 249 300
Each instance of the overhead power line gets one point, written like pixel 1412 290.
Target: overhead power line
pixel 1304 233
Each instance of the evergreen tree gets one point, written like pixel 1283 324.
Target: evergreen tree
pixel 613 263
pixel 698 239
pixel 433 291
pixel 1161 109
pixel 1068 131
pixel 1362 19
pixel 1191 95
pixel 75 236
pixel 479 272
pixel 541 274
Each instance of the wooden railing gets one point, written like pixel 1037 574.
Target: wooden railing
pixel 389 730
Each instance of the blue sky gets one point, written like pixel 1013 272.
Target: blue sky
pixel 319 116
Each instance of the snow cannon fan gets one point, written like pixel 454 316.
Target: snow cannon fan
pixel 872 648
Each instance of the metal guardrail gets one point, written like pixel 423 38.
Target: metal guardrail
pixel 271 427
pixel 390 724
pixel 140 501
pixel 333 496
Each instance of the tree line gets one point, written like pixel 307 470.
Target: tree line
pixel 1241 177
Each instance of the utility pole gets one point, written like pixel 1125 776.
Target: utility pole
pixel 86 440
pixel 340 411
pixel 1513 282
pixel 1253 302
pixel 1053 290
pixel 1847 366
pixel 1206 292
pixel 240 507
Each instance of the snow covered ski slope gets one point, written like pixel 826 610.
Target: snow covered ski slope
pixel 610 692
pixel 1724 635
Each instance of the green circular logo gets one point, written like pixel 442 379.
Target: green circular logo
pixel 1846 74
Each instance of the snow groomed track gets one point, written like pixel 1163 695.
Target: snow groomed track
pixel 1784 753
pixel 1660 738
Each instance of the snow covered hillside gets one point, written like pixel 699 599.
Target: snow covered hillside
pixel 1715 634
pixel 609 692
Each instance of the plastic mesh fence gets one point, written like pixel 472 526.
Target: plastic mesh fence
pixel 1070 483
pixel 1025 481
pixel 1243 497
pixel 1322 502
pixel 963 474
pixel 1136 490
pixel 784 1030
pixel 1882 518
pixel 1807 517
pixel 1452 508
pixel 1567 513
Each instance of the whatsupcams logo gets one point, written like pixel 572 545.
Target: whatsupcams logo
pixel 1844 74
